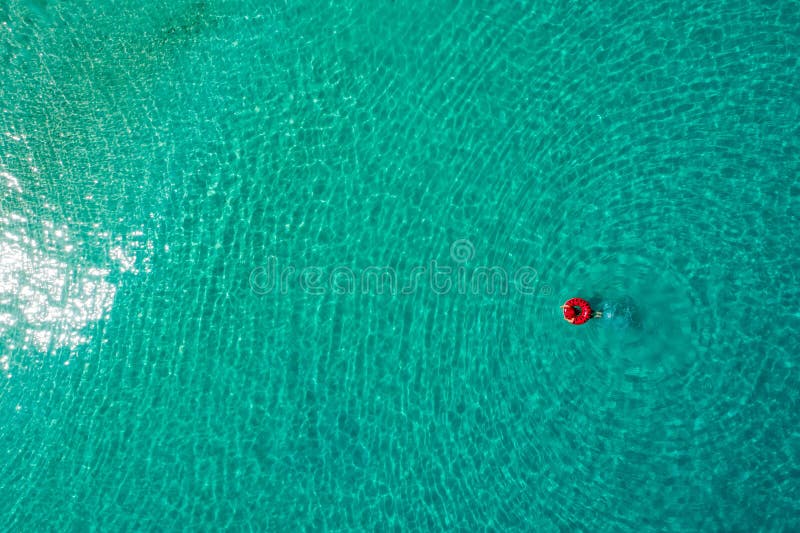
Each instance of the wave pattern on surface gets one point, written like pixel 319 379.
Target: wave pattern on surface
pixel 621 151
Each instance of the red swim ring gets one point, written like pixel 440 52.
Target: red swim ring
pixel 582 305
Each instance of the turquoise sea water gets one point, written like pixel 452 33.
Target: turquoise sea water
pixel 203 206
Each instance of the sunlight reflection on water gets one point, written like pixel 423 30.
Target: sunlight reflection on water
pixel 48 292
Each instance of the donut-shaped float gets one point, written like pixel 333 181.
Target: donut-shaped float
pixel 577 311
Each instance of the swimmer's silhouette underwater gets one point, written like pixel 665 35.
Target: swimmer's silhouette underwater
pixel 619 313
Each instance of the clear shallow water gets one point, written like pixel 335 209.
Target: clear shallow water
pixel 157 159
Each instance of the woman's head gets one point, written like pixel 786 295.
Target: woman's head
pixel 569 312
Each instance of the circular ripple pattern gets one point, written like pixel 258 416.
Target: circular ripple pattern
pixel 418 190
